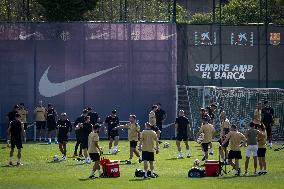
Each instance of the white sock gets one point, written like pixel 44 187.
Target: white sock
pixel 11 158
pixel 92 173
pixel 187 152
pixel 19 160
pixel 146 173
pixel 55 139
pixel 211 150
pixel 115 148
pixel 49 139
pixel 152 172
pixel 100 172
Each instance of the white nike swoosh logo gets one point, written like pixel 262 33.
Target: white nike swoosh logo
pixel 49 89
pixel 24 37
pixel 164 37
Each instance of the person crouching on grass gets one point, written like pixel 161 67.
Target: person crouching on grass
pixel 16 131
pixel 146 145
pixel 133 136
pixel 64 126
pixel 235 138
pixel 94 150
pixel 261 140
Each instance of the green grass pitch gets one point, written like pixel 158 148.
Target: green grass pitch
pixel 40 172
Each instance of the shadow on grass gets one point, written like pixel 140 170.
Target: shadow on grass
pixel 174 158
pixel 137 179
pixel 45 144
pixel 85 179
pixel 53 161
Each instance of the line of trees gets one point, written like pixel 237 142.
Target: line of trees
pixel 233 12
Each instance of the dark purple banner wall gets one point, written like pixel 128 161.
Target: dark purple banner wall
pixel 127 67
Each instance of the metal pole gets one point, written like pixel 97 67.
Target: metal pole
pixel 174 11
pixel 220 38
pixel 120 11
pixel 214 8
pixel 125 10
pixel 266 41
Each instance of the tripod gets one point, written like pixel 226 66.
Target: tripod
pixel 223 165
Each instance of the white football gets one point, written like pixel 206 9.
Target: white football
pixel 166 145
pixel 55 158
pixel 196 162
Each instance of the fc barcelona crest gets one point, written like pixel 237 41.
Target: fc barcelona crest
pixel 275 38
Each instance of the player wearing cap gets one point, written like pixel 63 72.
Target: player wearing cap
pixel 16 131
pixel 64 127
pixel 111 122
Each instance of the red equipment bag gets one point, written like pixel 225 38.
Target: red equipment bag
pixel 110 168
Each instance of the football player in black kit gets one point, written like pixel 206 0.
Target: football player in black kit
pixel 64 126
pixel 51 118
pixel 161 115
pixel 11 117
pixel 94 116
pixel 182 126
pixel 267 118
pixel 16 132
pixel 85 129
pixel 78 132
pixel 112 121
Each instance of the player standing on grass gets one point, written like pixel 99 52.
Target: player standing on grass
pixel 257 115
pixel 183 128
pixel 24 114
pixel 235 138
pixel 16 131
pixel 11 116
pixel 64 127
pixel 51 122
pixel 153 121
pixel 86 130
pixel 40 119
pixel 267 119
pixel 251 135
pixel 112 121
pixel 161 115
pixel 94 116
pixel 133 136
pixel 224 130
pixel 147 143
pixel 211 114
pixel 208 130
pixel 94 150
pixel 261 140
pixel 78 131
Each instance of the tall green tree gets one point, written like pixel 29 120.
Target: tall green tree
pixel 66 10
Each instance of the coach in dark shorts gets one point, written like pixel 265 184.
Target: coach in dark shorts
pixel 86 130
pixel 267 119
pixel 64 126
pixel 16 131
pixel 160 117
pixel 111 122
pixel 182 126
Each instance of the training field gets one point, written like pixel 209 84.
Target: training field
pixel 40 172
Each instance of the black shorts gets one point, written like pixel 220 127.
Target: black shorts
pixel 225 145
pixel 112 134
pixel 268 128
pixel 25 126
pixel 261 152
pixel 51 126
pixel 160 125
pixel 133 144
pixel 234 154
pixel 16 143
pixel 205 146
pixel 40 125
pixel 148 156
pixel 62 139
pixel 182 137
pixel 84 144
pixel 94 156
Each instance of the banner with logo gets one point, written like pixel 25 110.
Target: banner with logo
pixel 230 56
pixel 127 67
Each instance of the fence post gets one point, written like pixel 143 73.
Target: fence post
pixel 34 131
pixel 266 42
pixel 174 11
pixel 125 10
